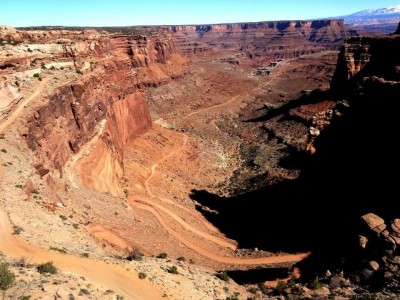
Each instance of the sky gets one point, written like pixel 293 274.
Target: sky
pixel 20 13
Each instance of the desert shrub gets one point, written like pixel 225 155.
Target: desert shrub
pixel 84 292
pixel 223 276
pixel 36 75
pixel 315 285
pixel 75 225
pixel 252 290
pixel 142 275
pixel 61 250
pixel 7 278
pixel 173 270
pixel 135 254
pixel 181 258
pixel 85 255
pixel 27 297
pixel 4 150
pixel 47 267
pixel 17 229
pixel 162 255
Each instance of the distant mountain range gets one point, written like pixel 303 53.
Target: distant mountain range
pixel 382 19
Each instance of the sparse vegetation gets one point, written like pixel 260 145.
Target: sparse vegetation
pixel 181 258
pixel 36 75
pixel 85 255
pixel 64 218
pixel 223 276
pixel 142 275
pixel 135 254
pixel 27 297
pixel 17 229
pixel 84 292
pixel 7 278
pixel 315 285
pixel 3 150
pixel 47 267
pixel 162 255
pixel 2 136
pixel 173 270
pixel 75 225
pixel 61 250
pixel 18 186
pixel 235 296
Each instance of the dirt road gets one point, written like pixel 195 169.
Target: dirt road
pixel 11 118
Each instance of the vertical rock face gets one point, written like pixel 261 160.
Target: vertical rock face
pixel 398 29
pixel 364 56
pixel 280 39
pixel 107 102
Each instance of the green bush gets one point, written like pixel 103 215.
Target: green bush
pixel 315 285
pixel 47 268
pixel 173 270
pixel 223 276
pixel 162 255
pixel 7 278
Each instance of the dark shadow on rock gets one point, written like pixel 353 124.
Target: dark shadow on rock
pixel 307 98
pixel 320 211
pixel 257 275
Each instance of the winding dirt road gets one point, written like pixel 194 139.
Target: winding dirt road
pixel 150 206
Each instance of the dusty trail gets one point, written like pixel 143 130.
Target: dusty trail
pixel 216 240
pixel 151 194
pixel 218 258
pixel 116 277
pixel 11 118
pixel 150 207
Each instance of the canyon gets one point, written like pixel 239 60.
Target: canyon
pixel 197 141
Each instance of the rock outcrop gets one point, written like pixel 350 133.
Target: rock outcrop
pixel 398 29
pixel 365 56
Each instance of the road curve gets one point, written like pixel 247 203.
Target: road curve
pixel 218 258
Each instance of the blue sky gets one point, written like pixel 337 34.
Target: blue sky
pixel 158 12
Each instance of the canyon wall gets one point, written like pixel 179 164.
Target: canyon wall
pixel 103 103
pixel 365 56
pixel 279 39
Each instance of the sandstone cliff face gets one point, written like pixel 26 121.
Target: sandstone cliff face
pixel 364 56
pixel 108 98
pixel 281 39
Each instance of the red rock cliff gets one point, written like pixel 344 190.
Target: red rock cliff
pixel 107 101
pixel 279 39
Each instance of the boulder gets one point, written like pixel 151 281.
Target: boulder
pixel 373 221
